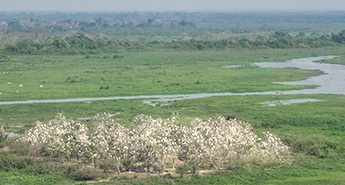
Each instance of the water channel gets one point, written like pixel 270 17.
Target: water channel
pixel 332 81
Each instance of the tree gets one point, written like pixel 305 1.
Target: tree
pixel 14 26
pixel 60 43
pixel 339 38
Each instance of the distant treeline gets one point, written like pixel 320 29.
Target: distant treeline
pixel 124 24
pixel 73 33
pixel 82 44
pixel 78 43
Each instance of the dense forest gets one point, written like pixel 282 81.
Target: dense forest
pixel 170 23
pixel 82 44
pixel 74 33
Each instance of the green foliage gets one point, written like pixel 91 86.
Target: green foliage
pixel 318 145
pixel 117 56
pixel 76 44
pixel 4 58
pixel 182 170
pixel 26 46
pixel 83 42
pixel 250 165
pixel 26 176
pixel 81 173
pixel 106 163
pixel 172 24
pixel 23 149
pixel 340 37
pixel 60 43
pixel 8 160
pixel 14 26
pixel 79 43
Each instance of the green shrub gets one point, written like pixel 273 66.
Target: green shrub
pixel 44 168
pixel 117 56
pixel 81 173
pixel 317 145
pixel 182 170
pixel 106 164
pixel 9 160
pixel 21 148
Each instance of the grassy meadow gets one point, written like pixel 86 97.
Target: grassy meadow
pixel 178 72
pixel 118 56
pixel 160 72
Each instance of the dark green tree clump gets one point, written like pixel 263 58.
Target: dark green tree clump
pixel 77 44
pixel 339 38
pixel 82 44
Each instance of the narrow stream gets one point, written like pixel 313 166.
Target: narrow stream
pixel 331 82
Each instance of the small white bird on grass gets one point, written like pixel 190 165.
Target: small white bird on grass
pixel 41 85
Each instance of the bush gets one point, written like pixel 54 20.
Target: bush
pixel 155 143
pixel 9 160
pixel 117 56
pixel 317 145
pixel 61 137
pixel 81 173
pixel 42 168
pixel 21 148
pixel 182 170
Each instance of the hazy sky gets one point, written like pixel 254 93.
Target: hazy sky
pixel 161 5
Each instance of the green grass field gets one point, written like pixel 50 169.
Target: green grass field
pixel 150 72
pixel 179 72
pixel 138 73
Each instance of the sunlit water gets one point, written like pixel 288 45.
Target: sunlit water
pixel 331 82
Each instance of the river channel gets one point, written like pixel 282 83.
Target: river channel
pixel 332 81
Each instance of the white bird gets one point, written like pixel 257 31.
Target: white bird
pixel 21 85
pixel 41 85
